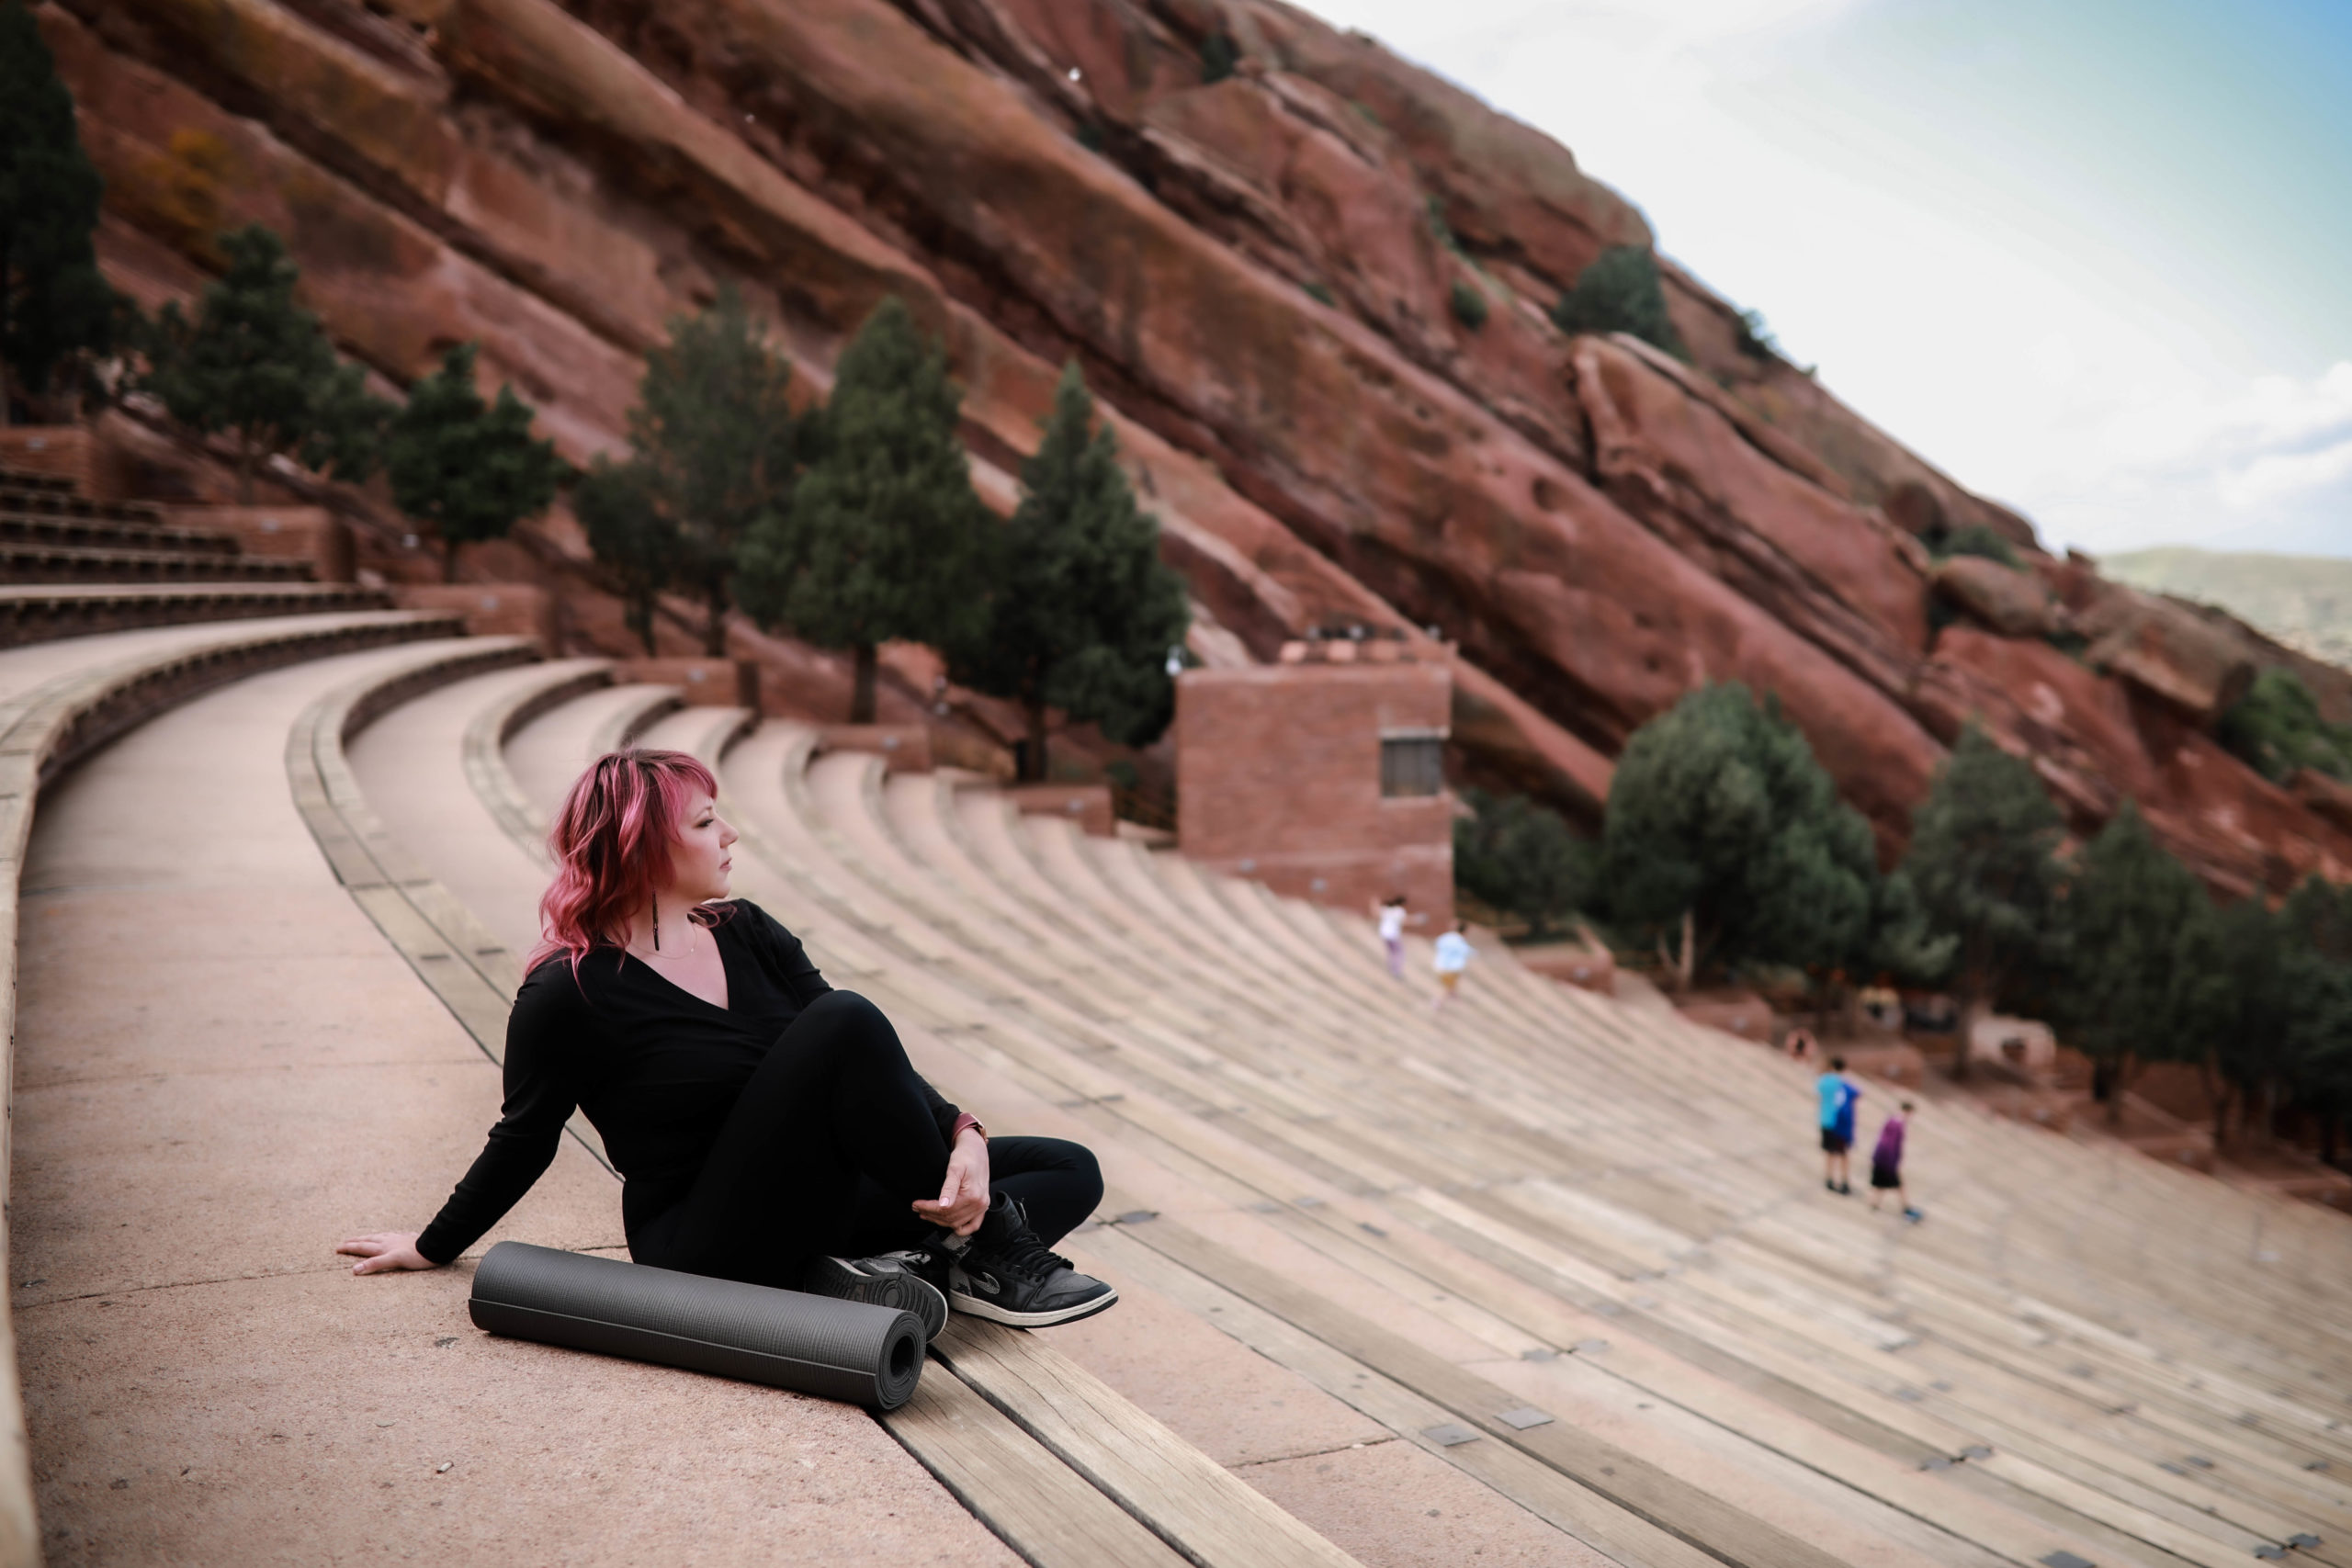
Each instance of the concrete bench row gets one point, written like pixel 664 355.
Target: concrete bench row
pixel 59 704
pixel 45 613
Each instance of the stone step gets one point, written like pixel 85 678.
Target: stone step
pixel 30 614
pixel 57 497
pixel 42 530
pixel 29 561
pixel 410 757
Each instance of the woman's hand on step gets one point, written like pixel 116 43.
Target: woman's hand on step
pixel 963 1200
pixel 387 1250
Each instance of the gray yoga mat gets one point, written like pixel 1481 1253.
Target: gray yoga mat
pixel 837 1350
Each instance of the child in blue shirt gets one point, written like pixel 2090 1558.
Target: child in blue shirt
pixel 1838 1094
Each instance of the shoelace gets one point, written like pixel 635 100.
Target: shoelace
pixel 1024 1255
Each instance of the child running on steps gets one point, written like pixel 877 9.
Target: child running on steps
pixel 1453 950
pixel 1886 1165
pixel 1390 913
pixel 1838 1093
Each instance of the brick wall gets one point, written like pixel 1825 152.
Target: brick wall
pixel 65 452
pixel 1089 806
pixel 280 533
pixel 490 609
pixel 1278 777
pixel 703 683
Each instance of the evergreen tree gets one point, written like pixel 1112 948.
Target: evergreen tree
pixel 1619 292
pixel 882 537
pixel 258 365
pixel 53 303
pixel 2276 728
pixel 1724 833
pixel 2127 913
pixel 1080 614
pixel 719 445
pixel 1982 864
pixel 1520 859
pixel 469 468
pixel 632 538
pixel 2240 982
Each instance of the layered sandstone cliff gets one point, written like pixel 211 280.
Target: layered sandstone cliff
pixel 1255 272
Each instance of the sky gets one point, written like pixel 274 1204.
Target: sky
pixel 2091 257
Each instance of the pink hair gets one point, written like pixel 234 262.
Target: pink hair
pixel 611 843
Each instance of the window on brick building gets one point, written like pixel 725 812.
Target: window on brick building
pixel 1412 764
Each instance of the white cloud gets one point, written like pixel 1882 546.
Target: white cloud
pixel 2285 476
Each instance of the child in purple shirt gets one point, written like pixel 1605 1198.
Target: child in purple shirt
pixel 1886 1165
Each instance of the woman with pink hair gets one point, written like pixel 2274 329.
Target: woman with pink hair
pixel 767 1127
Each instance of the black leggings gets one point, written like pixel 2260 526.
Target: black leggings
pixel 827 1147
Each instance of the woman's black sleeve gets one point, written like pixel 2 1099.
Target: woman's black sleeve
pixel 544 1033
pixel 786 958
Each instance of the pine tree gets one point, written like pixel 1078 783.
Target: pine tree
pixel 2127 912
pixel 719 445
pixel 1080 612
pixel 469 468
pixel 881 539
pixel 53 303
pixel 258 365
pixel 1725 837
pixel 1981 863
pixel 631 538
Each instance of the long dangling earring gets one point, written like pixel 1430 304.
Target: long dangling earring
pixel 657 923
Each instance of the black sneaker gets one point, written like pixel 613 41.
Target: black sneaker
pixel 1005 1274
pixel 890 1278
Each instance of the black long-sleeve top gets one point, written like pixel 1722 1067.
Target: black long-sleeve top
pixel 655 1068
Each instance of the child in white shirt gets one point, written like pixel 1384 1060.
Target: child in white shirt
pixel 1390 913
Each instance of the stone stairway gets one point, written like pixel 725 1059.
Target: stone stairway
pixel 1540 1280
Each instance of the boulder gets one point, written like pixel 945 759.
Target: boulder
pixel 2167 650
pixel 2011 603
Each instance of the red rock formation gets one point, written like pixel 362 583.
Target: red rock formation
pixel 1255 274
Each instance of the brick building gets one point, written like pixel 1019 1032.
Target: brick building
pixel 1321 776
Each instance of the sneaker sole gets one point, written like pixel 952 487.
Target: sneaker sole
pixel 978 1306
pixel 908 1292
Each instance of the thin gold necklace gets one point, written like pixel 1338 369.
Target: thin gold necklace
pixel 669 957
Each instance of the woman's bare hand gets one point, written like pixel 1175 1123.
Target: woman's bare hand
pixel 387 1250
pixel 963 1200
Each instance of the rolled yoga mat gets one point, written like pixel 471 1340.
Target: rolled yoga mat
pixel 837 1350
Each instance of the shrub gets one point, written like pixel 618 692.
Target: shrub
pixel 1469 305
pixel 1976 539
pixel 1619 292
pixel 1220 55
pixel 1752 338
pixel 1520 859
pixel 2276 728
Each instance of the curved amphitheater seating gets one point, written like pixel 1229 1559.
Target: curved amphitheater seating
pixel 1543 1279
